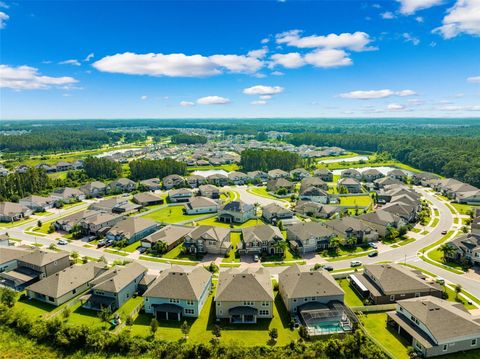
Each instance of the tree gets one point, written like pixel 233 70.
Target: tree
pixel 281 246
pixel 129 321
pixel 273 334
pixel 75 255
pixel 185 328
pixel 39 223
pixel 458 290
pixel 153 326
pixel 448 251
pixel 105 314
pixel 52 247
pixel 217 331
pixel 392 233
pixel 334 244
pixel 280 225
pixel 212 267
pixel 8 297
pixel 102 168
pixel 303 332
pixel 66 312
pixel 160 247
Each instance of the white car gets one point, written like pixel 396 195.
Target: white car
pixel 256 258
pixel 373 245
pixel 355 264
pixel 62 242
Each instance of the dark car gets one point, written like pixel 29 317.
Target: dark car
pixel 101 243
pixel 444 232
pixel 373 254
pixel 328 268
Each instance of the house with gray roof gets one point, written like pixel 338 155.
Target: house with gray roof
pixel 236 212
pixel 68 195
pixel 243 296
pixel 262 238
pixel 98 223
pixel 218 179
pixel 387 283
pixel 299 173
pixel 299 286
pixel 371 175
pixel 209 190
pixel 176 294
pixel 277 173
pixel 122 185
pixel 257 176
pixel 94 189
pixel 316 210
pixel 11 212
pixel 172 235
pixel 423 178
pixel 314 194
pixel 351 184
pixel 151 184
pixel 313 182
pixel 352 227
pixel 351 173
pixel 208 239
pixel 397 174
pixel 275 185
pixel 66 284
pixel 467 247
pixel 38 203
pixel 114 287
pixel 132 229
pixel 117 204
pixel 435 326
pixel 237 178
pixel 173 181
pixel 324 174
pixel 194 181
pixel 307 237
pixel 381 221
pixel 200 205
pixel 273 213
pixel 179 195
pixel 146 199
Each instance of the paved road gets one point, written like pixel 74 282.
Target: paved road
pixel 251 198
pixel 406 253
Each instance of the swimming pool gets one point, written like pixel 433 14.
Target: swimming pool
pixel 329 327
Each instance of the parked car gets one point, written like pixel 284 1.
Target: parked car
pixel 62 242
pixel 256 258
pixel 109 242
pixel 142 249
pixel 101 243
pixel 328 268
pixel 355 264
pixel 373 245
pixel 440 280
pixel 373 254
pixel 444 232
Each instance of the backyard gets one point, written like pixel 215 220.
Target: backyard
pixel 171 214
pixel 212 221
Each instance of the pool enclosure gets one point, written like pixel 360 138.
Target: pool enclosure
pixel 324 319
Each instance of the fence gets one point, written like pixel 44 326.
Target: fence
pixel 374 308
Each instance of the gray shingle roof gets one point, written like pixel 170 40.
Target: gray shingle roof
pixel 244 285
pixel 117 278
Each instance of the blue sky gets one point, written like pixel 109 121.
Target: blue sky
pixel 158 59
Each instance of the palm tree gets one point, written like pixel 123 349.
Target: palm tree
pixel 334 244
pixel 281 246
pixel 448 250
pixel 458 290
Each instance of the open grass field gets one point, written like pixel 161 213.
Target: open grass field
pixel 360 201
pixel 171 214
pixel 212 221
pixel 262 192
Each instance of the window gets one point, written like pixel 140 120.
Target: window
pixel 474 342
pixel 51 299
pixel 392 298
pixel 146 299
pixel 264 312
pixel 417 295
pixel 248 303
pixel 189 311
pixel 190 302
pixel 265 304
pixel 174 300
pixel 305 299
pixel 445 347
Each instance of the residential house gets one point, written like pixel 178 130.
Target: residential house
pixel 218 179
pixel 398 175
pixel 209 191
pixel 68 195
pixel 313 182
pixel 147 199
pixel 435 327
pixel 94 189
pixel 257 176
pixel 151 184
pixel 122 185
pixel 475 225
pixel 200 205
pixel 180 195
pixel 351 173
pixel 277 173
pixel 208 239
pixel 261 238
pixel 171 235
pixel 115 205
pixel 381 221
pixel 422 178
pixel 402 210
pixel 302 288
pixel 37 203
pixel 349 227
pixel 316 210
pixel 386 181
pixel 66 284
pixel 467 247
pixel 273 213
pixel 132 229
pixel 387 283
pixel 299 173
pixel 371 175
pixel 176 294
pixel 306 237
pixel 243 296
pixel 194 181
pixel 98 222
pixel 275 185
pixel 10 212
pixel 114 287
pixel 351 184
pixel 68 223
pixel 314 194
pixel 238 178
pixel 324 174
pixel 236 212
pixel 64 166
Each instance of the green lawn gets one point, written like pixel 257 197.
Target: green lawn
pixel 79 316
pixel 172 214
pixel 166 260
pixel 114 251
pixel 201 328
pixel 212 221
pixel 132 247
pixel 351 297
pixel 16 223
pixel 177 253
pixel 360 201
pixel 129 306
pixel 375 325
pixel 234 239
pixel 452 297
pixel 33 307
pixel 437 255
pixel 464 208
pixel 435 222
pixel 262 192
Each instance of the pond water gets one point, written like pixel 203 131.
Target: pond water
pixel 206 173
pixel 383 169
pixel 346 159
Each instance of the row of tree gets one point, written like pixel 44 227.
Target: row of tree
pixel 266 160
pixel 102 168
pixel 144 169
pixel 183 138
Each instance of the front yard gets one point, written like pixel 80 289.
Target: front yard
pixel 212 221
pixel 171 214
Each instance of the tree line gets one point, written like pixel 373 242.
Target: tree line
pixel 143 169
pixel 450 156
pixel 266 160
pixel 102 168
pixel 183 138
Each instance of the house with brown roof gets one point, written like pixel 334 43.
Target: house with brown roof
pixel 306 237
pixel 146 199
pixel 261 238
pixel 351 184
pixel 151 184
pixel 275 185
pixel 38 203
pixel 132 229
pixel 176 294
pixel 94 189
pixel 243 296
pixel 236 212
pixel 10 212
pixel 209 190
pixel 173 181
pixel 435 326
pixel 122 185
pixel 171 235
pixel 208 239
pixel 324 174
pixel 68 195
pixel 66 284
pixel 273 213
pixel 200 205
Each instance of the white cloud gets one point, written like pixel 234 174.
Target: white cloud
pixel 70 62
pixel 328 58
pixel 3 5
pixel 259 102
pixel 419 19
pixel 265 97
pixel 277 73
pixel 395 107
pixel 3 19
pixel 388 15
pixel 410 38
pixel 291 60
pixel 463 17
pixel 143 97
pixel 179 65
pixel 474 79
pixel 265 41
pixel 213 100
pixel 376 94
pixel 263 90
pixel 187 103
pixel 357 41
pixel 89 57
pixel 28 78
pixel 409 7
pixel 460 108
